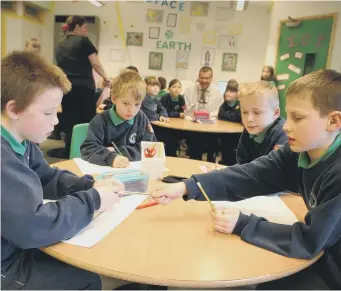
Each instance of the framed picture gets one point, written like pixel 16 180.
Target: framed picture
pixel 155 15
pixel 155 61
pixel 229 62
pixel 171 19
pixel 199 8
pixel 207 56
pixel 154 32
pixel 135 38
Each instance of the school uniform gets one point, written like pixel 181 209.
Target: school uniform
pixel 108 127
pixel 229 111
pixel 199 142
pixel 174 107
pixel 72 56
pixel 153 108
pixel 27 224
pixel 319 184
pixel 161 94
pixel 251 147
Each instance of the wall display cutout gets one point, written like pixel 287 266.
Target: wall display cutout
pixel 135 38
pixel 117 55
pixel 171 19
pixel 182 58
pixel 210 37
pixel 155 61
pixel 227 41
pixel 223 13
pixel 169 34
pixel 235 29
pixel 199 8
pixel 284 57
pixel 281 87
pixel 154 15
pixel 295 69
pixel 154 32
pixel 229 62
pixel 282 77
pixel 207 56
pixel 298 55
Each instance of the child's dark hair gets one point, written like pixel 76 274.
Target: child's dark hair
pixel 173 82
pixel 132 68
pixel 72 21
pixel 232 86
pixel 24 75
pixel 324 86
pixel 151 81
pixel 163 83
pixel 272 71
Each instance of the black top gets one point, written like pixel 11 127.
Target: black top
pixel 173 106
pixel 72 54
pixel 230 113
pixel 153 108
pixel 320 188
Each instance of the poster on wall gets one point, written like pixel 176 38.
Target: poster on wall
pixel 154 32
pixel 210 37
pixel 229 62
pixel 227 41
pixel 199 8
pixel 135 38
pixel 182 58
pixel 155 15
pixel 207 57
pixel 171 19
pixel 155 61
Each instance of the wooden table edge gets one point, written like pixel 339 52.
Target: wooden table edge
pixel 174 282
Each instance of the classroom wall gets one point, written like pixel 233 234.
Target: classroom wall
pixel 250 48
pixel 281 10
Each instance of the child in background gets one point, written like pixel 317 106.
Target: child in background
pixel 268 74
pixel 31 92
pixel 123 124
pixel 309 164
pixel 230 111
pixel 150 105
pixel 175 106
pixel 132 68
pixel 173 101
pixel 33 45
pixel 263 131
pixel 163 85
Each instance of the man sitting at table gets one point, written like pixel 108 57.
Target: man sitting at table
pixel 207 97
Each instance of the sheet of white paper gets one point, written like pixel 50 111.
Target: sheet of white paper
pixel 282 77
pixel 298 55
pixel 284 57
pixel 270 207
pixel 294 69
pixel 281 87
pixel 88 168
pixel 106 222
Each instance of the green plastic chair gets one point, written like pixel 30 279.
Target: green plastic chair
pixel 79 133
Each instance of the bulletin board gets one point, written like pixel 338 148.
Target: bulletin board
pixel 303 49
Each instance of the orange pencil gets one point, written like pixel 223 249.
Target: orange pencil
pixel 153 203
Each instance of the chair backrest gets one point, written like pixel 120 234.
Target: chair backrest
pixel 79 133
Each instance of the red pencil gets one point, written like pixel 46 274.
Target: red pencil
pixel 153 203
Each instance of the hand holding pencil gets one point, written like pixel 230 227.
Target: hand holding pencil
pixel 120 160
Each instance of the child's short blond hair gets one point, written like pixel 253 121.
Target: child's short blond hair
pixel 260 88
pixel 151 81
pixel 24 75
pixel 128 80
pixel 324 87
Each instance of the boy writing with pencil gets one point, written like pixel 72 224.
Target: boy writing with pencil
pixel 31 91
pixel 114 136
pixel 309 164
pixel 259 103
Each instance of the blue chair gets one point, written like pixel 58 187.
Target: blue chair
pixel 79 133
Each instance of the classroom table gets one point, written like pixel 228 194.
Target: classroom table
pixel 175 245
pixel 186 125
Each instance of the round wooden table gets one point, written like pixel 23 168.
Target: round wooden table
pixel 186 125
pixel 174 245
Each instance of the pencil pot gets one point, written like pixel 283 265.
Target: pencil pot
pixel 153 159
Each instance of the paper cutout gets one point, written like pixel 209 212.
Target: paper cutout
pixel 293 68
pixel 154 15
pixel 210 37
pixel 235 29
pixel 182 58
pixel 298 55
pixel 199 8
pixel 171 19
pixel 207 57
pixel 154 32
pixel 282 77
pixel 284 57
pixel 281 87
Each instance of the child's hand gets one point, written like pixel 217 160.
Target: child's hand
pixel 226 219
pixel 100 108
pixel 108 190
pixel 167 194
pixel 120 162
pixel 164 119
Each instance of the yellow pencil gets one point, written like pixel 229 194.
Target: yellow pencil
pixel 207 198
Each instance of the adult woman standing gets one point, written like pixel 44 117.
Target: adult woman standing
pixel 77 56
